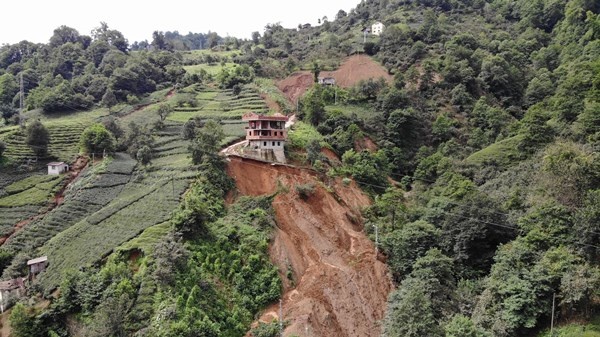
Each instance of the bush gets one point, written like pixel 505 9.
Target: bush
pixel 38 137
pixel 266 330
pixel 305 190
pixel 2 147
pixel 97 139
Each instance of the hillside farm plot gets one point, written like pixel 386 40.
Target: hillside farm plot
pixel 211 69
pixel 128 202
pixel 25 198
pixel 65 130
pixel 221 105
pixel 95 187
pixel 141 204
pixel 63 146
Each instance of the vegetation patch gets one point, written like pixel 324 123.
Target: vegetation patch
pixel 502 153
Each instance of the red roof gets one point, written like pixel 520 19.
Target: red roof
pixel 251 116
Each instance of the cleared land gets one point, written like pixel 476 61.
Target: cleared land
pixel 353 69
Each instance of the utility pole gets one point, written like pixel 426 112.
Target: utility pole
pixel 552 319
pixel 376 239
pixel 173 184
pixel 21 99
pixel 280 318
pixel 335 95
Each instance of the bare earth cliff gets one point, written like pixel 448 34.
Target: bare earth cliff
pixel 337 287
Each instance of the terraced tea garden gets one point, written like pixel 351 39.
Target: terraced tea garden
pixel 116 200
pixel 25 198
pixel 64 130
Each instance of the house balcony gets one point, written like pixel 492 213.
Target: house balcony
pixel 278 137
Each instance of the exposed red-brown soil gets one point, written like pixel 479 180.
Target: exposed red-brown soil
pixel 352 70
pixel 365 143
pixel 357 68
pixel 339 287
pixel 295 85
pixel 271 104
pixel 79 164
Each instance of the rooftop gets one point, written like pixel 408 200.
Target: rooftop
pixel 56 163
pixel 251 116
pixel 37 260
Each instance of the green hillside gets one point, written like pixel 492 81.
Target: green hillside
pixel 481 159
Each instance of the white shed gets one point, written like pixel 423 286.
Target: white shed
pixel 57 167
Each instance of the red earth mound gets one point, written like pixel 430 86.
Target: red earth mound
pixel 352 70
pixel 339 287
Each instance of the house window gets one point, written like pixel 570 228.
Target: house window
pixel 273 143
pixel 264 143
pixel 278 143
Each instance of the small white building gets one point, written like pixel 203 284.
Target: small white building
pixel 57 168
pixel 377 28
pixel 326 80
pixel 37 266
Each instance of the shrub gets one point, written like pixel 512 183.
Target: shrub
pixel 305 190
pixel 97 139
pixel 38 137
pixel 266 330
pixel 2 147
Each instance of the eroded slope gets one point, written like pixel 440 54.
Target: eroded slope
pixel 334 284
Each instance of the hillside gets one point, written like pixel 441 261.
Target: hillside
pixel 463 142
pixel 333 282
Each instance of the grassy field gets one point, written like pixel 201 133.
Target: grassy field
pixel 211 69
pixel 348 110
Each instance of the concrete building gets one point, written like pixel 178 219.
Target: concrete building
pixel 57 168
pixel 326 80
pixel 265 132
pixel 377 28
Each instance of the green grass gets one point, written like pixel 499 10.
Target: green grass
pixel 207 95
pixel 591 329
pixel 267 86
pixel 202 52
pixel 503 153
pixel 362 112
pixel 301 134
pixel 211 69
pixel 68 118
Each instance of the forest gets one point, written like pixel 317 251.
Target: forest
pixel 484 178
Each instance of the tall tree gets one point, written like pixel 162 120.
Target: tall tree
pixel 37 137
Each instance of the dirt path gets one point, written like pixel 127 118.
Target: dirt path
pixel 339 287
pixel 4 320
pixel 76 168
